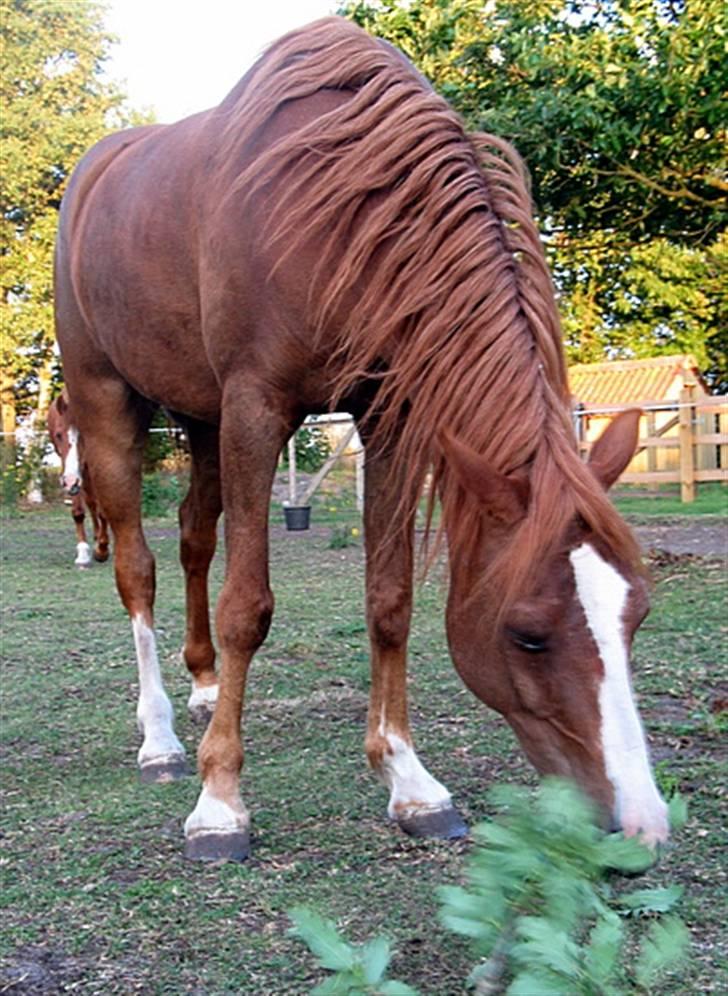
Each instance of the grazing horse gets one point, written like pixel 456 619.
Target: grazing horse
pixel 330 238
pixel 76 482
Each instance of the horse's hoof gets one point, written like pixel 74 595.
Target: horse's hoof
pixel 218 846
pixel 200 714
pixel 201 704
pixel 444 823
pixel 168 769
pixel 101 556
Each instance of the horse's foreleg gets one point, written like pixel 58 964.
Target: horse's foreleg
pixel 198 516
pixel 250 441
pixel 114 434
pixel 418 802
pixel 83 551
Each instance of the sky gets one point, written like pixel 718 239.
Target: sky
pixel 182 56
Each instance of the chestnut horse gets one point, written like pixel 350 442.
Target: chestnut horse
pixel 330 238
pixel 76 482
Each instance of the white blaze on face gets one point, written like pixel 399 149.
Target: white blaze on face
pixel 603 592
pixel 72 463
pixel 154 710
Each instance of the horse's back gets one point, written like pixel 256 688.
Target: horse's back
pixel 127 269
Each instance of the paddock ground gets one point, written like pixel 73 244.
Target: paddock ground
pixel 97 896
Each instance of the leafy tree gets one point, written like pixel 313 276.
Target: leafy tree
pixel 616 107
pixel 55 105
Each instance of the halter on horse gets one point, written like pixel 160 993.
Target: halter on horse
pixel 330 237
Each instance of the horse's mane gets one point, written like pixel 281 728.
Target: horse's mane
pixel 431 229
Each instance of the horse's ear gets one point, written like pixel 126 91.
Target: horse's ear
pixel 614 449
pixel 62 403
pixel 505 497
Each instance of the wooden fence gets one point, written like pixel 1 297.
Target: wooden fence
pixel 681 442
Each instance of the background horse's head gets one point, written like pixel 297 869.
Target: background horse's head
pixel 64 436
pixel 554 659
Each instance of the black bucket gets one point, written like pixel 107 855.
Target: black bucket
pixel 297 517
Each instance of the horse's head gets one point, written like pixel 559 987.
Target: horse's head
pixel 555 662
pixel 64 436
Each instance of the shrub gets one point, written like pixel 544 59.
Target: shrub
pixel 312 449
pixel 161 493
pixel 538 908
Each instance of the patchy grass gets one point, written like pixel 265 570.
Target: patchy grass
pixel 97 896
pixel 710 499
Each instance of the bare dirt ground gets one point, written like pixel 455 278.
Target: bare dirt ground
pixel 699 538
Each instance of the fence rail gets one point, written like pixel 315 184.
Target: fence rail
pixel 688 436
pixel 682 442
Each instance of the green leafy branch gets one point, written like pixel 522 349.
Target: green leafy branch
pixel 538 907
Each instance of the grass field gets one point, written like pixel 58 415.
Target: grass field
pixel 98 898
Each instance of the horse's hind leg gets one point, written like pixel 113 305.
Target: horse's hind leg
pixel 198 517
pixel 83 551
pixel 114 426
pixel 98 519
pixel 418 802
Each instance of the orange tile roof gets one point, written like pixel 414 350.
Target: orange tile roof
pixel 619 382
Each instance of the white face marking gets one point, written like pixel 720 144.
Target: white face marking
pixel 212 815
pixel 72 464
pixel 412 788
pixel 154 710
pixel 603 593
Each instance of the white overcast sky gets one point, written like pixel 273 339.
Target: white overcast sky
pixel 182 56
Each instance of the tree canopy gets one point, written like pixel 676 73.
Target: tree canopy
pixel 55 105
pixel 616 107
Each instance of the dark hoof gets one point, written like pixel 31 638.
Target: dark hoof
pixel 158 772
pixel 201 715
pixel 101 556
pixel 218 846
pixel 444 823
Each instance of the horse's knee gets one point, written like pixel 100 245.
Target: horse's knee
pixel 243 621
pixel 135 575
pixel 388 614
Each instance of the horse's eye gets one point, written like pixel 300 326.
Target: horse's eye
pixel 528 641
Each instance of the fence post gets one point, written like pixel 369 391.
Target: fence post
pixel 687 455
pixel 360 463
pixel 292 496
pixel 652 450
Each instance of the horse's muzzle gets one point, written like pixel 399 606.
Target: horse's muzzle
pixel 71 489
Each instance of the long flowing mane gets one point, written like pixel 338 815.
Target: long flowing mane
pixel 431 229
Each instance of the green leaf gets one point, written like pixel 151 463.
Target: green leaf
pixel 393 988
pixel 651 900
pixel 625 854
pixel 605 942
pixel 664 946
pixel 542 943
pixel 677 809
pixel 335 985
pixel 323 939
pixel 530 983
pixel 375 958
